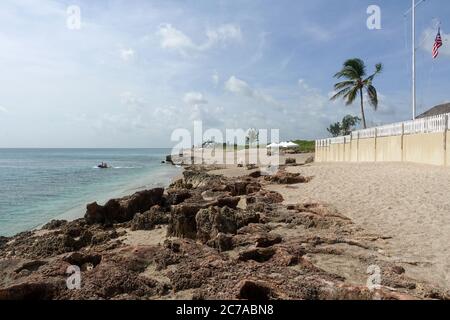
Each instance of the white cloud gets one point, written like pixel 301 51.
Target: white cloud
pixel 127 54
pixel 3 110
pixel 222 35
pixel 194 98
pixel 174 39
pixel 240 87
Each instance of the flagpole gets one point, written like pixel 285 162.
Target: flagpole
pixel 414 59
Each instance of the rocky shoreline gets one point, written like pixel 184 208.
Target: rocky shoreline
pixel 205 237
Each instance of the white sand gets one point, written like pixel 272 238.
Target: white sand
pixel 409 202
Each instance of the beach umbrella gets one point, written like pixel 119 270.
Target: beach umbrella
pixel 272 145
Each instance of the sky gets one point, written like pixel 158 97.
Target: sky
pixel 135 71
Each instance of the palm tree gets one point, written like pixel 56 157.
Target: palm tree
pixel 354 71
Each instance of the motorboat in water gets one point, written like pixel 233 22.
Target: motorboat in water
pixel 103 165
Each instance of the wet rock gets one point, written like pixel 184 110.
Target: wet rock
pixel 257 254
pixel 149 219
pixel 124 209
pixel 169 159
pixel 254 290
pixel 54 224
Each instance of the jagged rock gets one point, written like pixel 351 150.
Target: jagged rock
pixel 149 219
pixel 182 222
pixel 31 291
pixel 254 290
pixel 54 224
pixel 177 196
pixel 30 266
pixel 179 184
pixel 230 202
pixel 82 260
pixel 257 254
pixel 267 240
pixel 3 241
pixel 201 179
pixel 124 209
pixel 283 177
pixel 169 159
pixel 255 174
pixel 223 242
pixel 266 197
pixel 245 218
pixel 309 160
pixel 243 187
pixel 290 161
pixel 398 269
pixel 215 220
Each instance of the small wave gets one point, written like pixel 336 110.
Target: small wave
pixel 126 167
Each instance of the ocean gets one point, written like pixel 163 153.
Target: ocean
pixel 38 185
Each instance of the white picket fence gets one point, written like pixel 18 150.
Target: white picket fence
pixel 439 123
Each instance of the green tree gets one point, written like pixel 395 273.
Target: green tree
pixel 345 127
pixel 348 124
pixel 354 71
pixel 335 129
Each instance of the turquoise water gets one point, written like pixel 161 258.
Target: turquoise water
pixel 37 185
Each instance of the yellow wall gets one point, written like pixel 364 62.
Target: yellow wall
pixel 354 150
pixel 389 149
pixel 427 148
pixel 366 150
pixel 424 148
pixel 347 152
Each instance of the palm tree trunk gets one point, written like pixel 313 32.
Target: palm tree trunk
pixel 362 108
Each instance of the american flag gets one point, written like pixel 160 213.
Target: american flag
pixel 437 44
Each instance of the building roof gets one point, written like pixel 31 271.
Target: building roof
pixel 440 109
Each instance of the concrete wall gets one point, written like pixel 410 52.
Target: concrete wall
pixel 426 148
pixel 389 149
pixel 366 150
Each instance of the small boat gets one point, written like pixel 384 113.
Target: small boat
pixel 103 165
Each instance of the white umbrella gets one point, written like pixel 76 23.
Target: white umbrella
pixel 291 145
pixel 272 145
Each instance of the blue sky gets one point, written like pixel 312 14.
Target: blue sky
pixel 137 70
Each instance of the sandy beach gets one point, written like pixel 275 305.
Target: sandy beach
pixel 408 202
